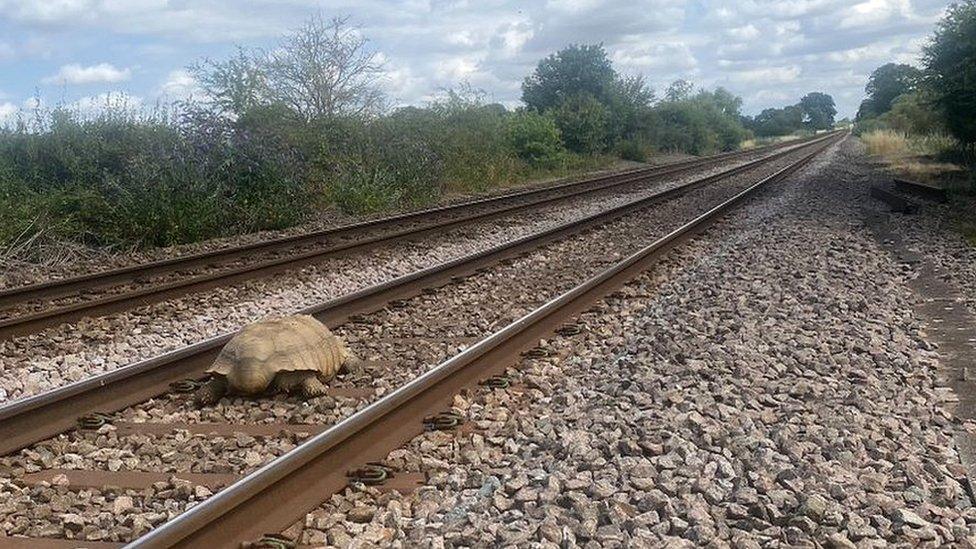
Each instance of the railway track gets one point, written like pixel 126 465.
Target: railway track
pixel 307 474
pixel 30 309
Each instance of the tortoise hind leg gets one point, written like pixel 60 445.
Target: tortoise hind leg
pixel 311 387
pixel 212 391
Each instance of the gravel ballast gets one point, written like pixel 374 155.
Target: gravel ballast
pixel 430 329
pixel 767 385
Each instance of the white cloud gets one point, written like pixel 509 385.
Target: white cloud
pixel 457 69
pixel 747 32
pixel 573 6
pixel 180 84
pixel 875 12
pixel 645 56
pixel 767 75
pixel 75 73
pixel 763 50
pixel 7 112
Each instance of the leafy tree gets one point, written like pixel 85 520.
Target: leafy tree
pixel 726 101
pixel 721 111
pixel 679 90
pixel 582 120
pixel 629 99
pixel 914 113
pixel 704 123
pixel 865 110
pixel 773 121
pixel 682 127
pixel 818 110
pixel 950 69
pixel 574 70
pixel 888 82
pixel 233 85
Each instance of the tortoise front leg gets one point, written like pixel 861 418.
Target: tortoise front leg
pixel 212 391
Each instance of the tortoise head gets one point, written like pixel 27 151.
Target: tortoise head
pixel 252 371
pixel 250 377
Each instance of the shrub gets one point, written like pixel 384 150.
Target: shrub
pixel 632 149
pixel 681 127
pixel 470 139
pixel 582 121
pixel 151 180
pixel 535 139
pixel 382 166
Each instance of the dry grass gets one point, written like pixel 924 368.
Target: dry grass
pixel 912 156
pixel 927 172
pixel 887 144
pixel 763 141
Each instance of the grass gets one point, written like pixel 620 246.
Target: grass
pixel 913 156
pixel 771 140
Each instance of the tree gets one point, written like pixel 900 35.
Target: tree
pixel 325 69
pixel 704 123
pixel 913 113
pixel 865 110
pixel 574 70
pixel 818 110
pixel 950 69
pixel 629 99
pixel 726 101
pixel 321 70
pixel 234 85
pixel 679 90
pixel 783 121
pixel 888 82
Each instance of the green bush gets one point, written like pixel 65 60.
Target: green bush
pixel 471 142
pixel 120 179
pixel 535 139
pixel 682 127
pixel 582 122
pixel 384 165
pixel 632 149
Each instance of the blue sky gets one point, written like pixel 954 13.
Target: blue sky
pixel 768 52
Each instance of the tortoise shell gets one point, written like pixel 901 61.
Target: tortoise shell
pixel 253 357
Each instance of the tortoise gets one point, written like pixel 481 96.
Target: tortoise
pixel 292 354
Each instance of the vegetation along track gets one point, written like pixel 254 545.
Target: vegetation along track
pixel 61 484
pixel 29 309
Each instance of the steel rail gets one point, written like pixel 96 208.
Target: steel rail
pixel 112 303
pixel 281 492
pixel 35 418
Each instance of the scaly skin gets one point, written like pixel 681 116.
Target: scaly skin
pixel 312 387
pixel 211 392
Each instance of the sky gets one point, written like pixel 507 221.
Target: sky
pixel 79 52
